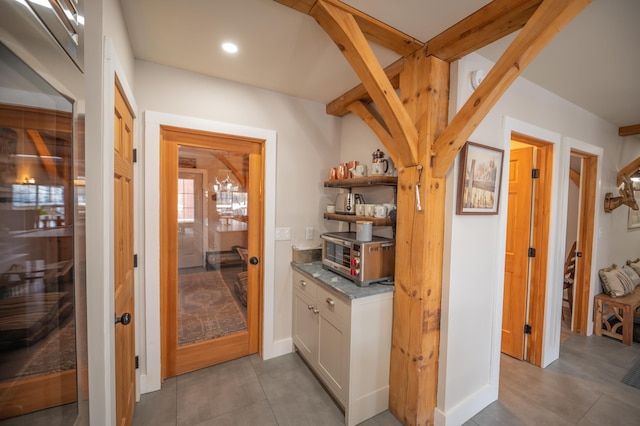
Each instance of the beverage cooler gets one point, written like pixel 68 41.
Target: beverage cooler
pixel 42 232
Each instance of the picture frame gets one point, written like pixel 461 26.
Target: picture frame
pixel 633 220
pixel 480 176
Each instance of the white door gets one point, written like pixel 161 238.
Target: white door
pixel 191 229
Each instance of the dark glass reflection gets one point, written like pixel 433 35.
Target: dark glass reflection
pixel 37 286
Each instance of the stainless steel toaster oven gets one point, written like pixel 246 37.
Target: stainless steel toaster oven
pixel 361 262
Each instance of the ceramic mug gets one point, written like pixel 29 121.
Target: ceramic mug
pixel 333 173
pixel 331 208
pixel 370 210
pixel 380 211
pixel 361 169
pixel 360 209
pixel 356 173
pixel 343 171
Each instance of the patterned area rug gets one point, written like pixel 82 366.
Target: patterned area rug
pixel 53 354
pixel 632 378
pixel 206 308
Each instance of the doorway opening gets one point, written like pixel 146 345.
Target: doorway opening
pixel 211 242
pixel 528 222
pixel 584 171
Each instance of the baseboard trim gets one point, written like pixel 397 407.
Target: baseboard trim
pixel 277 348
pixel 467 408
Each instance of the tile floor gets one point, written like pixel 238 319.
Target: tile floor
pixel 581 388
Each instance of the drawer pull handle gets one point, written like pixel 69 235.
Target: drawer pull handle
pixel 310 307
pixel 303 283
pixel 330 301
pixel 315 311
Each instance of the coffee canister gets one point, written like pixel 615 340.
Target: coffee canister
pixel 364 230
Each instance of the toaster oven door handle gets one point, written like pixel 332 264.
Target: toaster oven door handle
pixel 336 241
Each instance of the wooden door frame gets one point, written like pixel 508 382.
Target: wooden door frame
pixel 168 257
pixel 540 241
pixel 586 226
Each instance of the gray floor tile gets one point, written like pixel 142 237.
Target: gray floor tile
pixel 383 419
pixel 158 408
pixel 217 390
pixel 258 414
pixel 610 411
pixel 583 387
pixel 297 398
pixel 567 397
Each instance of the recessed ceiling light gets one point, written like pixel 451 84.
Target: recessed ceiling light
pixel 229 47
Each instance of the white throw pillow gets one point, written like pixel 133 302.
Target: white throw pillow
pixel 635 264
pixel 632 274
pixel 615 282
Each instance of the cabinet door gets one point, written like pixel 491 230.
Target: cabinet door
pixel 333 353
pixel 305 326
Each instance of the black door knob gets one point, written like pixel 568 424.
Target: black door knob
pixel 125 319
pixel 254 260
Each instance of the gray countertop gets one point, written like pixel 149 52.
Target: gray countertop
pixel 339 283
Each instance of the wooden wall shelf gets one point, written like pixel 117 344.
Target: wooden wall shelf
pixel 385 221
pixel 362 181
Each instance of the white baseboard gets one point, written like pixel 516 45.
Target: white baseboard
pixel 466 409
pixel 277 348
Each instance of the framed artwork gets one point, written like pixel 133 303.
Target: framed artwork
pixel 634 215
pixel 479 179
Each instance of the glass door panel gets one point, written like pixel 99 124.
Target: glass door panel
pixel 38 200
pixel 212 244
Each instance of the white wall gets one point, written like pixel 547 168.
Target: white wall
pixel 307 145
pixel 474 245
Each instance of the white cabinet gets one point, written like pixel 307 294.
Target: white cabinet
pixel 347 342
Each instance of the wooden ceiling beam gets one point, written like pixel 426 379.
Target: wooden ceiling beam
pixel 629 130
pixel 628 170
pixel 488 24
pixel 574 177
pixel 340 106
pixel 375 31
pixel 43 153
pixel 345 32
pixel 546 23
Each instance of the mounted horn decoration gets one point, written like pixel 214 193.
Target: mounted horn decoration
pixel 626 196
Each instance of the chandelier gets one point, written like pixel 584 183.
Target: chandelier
pixel 225 190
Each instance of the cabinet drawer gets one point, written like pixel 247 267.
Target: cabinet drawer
pixel 304 285
pixel 328 301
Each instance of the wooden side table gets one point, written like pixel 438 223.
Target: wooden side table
pixel 623 308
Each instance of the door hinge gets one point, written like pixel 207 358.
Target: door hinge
pixel 527 329
pixel 531 252
pixel 135 155
pixel 535 173
pixel 137 361
pixel 135 260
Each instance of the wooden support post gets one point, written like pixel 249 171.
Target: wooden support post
pixel 419 250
